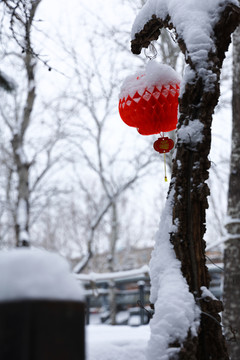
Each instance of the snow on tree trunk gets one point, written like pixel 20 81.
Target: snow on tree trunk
pixel 231 315
pixel 203 34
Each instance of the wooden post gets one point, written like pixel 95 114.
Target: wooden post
pixel 142 300
pixel 42 330
pixel 87 310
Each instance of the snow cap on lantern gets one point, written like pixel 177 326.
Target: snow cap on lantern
pixel 148 100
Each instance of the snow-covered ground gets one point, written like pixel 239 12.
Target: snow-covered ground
pixel 106 342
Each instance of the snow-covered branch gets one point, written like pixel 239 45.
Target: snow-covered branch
pixel 203 32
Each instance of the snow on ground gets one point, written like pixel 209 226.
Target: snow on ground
pixel 106 342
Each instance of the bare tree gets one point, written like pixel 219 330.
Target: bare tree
pixel 24 15
pixel 20 149
pixel 106 165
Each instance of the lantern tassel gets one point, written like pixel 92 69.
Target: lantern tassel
pixel 165 168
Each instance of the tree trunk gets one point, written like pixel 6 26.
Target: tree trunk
pixel 190 172
pixel 111 259
pixel 22 207
pixel 231 315
pixel 22 122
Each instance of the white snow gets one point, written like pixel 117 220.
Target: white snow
pixel 22 219
pixel 188 78
pixel 193 19
pixel 191 134
pixel 155 74
pixel 100 277
pixel 31 85
pixel 36 274
pixel 134 320
pixel 175 308
pixel 207 293
pixel 106 342
pixel 20 151
pixel 230 220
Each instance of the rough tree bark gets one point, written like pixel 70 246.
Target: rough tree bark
pixel 231 315
pixel 190 171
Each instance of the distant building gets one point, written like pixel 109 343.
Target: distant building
pixel 126 259
pixel 131 271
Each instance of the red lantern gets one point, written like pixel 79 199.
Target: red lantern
pixel 163 145
pixel 149 101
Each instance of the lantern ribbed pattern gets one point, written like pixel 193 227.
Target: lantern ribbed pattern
pixel 152 112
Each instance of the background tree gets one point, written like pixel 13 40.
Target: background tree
pixel 231 314
pixel 105 159
pixel 24 16
pixel 103 170
pixel 22 172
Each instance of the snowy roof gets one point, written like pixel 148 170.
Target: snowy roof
pixel 116 276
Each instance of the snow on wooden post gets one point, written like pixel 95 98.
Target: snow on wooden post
pixel 42 312
pixel 185 325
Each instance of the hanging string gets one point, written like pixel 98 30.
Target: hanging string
pixel 152 52
pixel 164 159
pixel 165 168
